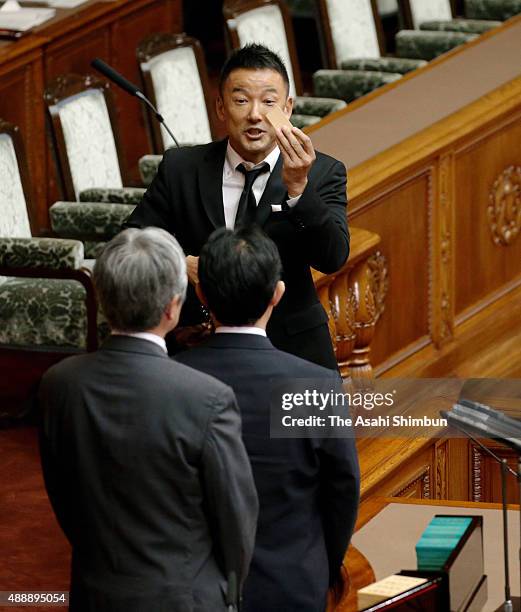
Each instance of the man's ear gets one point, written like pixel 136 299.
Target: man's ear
pixel 219 107
pixel 173 309
pixel 280 287
pixel 200 294
pixel 288 107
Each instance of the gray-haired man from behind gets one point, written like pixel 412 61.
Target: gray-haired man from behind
pixel 142 457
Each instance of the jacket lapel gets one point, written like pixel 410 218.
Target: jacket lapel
pixel 274 193
pixel 210 177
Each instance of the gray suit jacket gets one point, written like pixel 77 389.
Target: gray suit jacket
pixel 149 479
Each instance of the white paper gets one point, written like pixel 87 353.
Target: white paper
pixel 24 18
pixel 65 4
pixel 11 5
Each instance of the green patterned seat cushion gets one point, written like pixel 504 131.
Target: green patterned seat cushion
pixel 123 195
pixel 318 107
pixel 93 248
pixel 88 219
pixel 41 313
pixel 428 45
pixel 350 84
pixel 492 9
pixel 301 8
pixel 303 121
pixel 471 26
pixel 148 165
pixel 54 253
pixel 400 65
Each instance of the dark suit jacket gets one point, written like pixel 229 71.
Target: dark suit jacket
pixel 149 479
pixel 185 198
pixel 308 488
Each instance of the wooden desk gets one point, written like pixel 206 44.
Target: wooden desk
pixel 68 43
pixel 434 161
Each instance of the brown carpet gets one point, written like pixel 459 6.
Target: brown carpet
pixel 34 554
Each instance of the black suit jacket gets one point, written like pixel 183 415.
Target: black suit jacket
pixel 308 488
pixel 149 479
pixel 185 198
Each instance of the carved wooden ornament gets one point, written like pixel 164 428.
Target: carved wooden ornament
pixel 504 209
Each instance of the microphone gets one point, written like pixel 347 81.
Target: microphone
pixel 115 77
pixel 492 413
pixel 481 428
pixel 133 90
pixel 486 419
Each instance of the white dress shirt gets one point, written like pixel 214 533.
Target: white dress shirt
pixel 241 329
pixel 233 182
pixel 144 336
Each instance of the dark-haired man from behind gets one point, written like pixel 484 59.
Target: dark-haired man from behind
pixel 142 456
pixel 308 488
pixel 273 178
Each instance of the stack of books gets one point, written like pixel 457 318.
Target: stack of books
pixel 439 540
pixel 453 545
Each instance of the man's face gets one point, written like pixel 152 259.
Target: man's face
pixel 247 96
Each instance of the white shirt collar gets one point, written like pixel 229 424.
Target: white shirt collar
pixel 243 329
pixel 233 159
pixel 144 336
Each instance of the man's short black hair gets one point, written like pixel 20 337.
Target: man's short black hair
pixel 256 57
pixel 238 271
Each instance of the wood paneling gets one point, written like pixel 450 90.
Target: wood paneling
pixel 482 266
pixel 21 82
pixel 74 52
pixel 448 468
pixel 434 163
pixel 401 217
pixel 485 474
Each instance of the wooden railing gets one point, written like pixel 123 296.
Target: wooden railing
pixel 354 299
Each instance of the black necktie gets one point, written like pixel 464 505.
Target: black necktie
pixel 247 203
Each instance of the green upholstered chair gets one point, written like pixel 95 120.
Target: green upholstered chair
pixel 47 303
pixel 175 79
pixel 428 45
pixel 353 37
pixel 433 30
pixel 267 22
pixel 82 123
pixel 148 166
pixel 437 15
pixel 492 9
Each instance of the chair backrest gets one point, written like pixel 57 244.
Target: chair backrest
pixel 15 201
pixel 176 81
pixel 415 12
pixel 266 22
pixel 387 7
pixel 350 30
pixel 82 118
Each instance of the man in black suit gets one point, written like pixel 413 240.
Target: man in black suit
pixel 259 175
pixel 142 457
pixel 308 487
